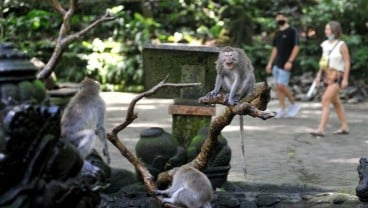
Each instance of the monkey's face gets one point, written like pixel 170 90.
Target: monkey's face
pixel 230 58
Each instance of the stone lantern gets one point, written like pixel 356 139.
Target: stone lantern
pixel 18 83
pixel 37 168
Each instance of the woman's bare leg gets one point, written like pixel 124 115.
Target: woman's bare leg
pixel 330 92
pixel 340 111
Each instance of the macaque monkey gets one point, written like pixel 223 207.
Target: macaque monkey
pixel 235 74
pixel 83 120
pixel 190 188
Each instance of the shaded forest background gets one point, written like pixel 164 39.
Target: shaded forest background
pixel 111 53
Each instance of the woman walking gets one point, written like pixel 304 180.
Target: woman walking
pixel 335 75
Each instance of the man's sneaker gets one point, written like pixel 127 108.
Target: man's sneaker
pixel 293 110
pixel 281 113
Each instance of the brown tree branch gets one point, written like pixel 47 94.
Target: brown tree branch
pixel 247 106
pixel 57 6
pixel 64 39
pixel 253 105
pixel 130 117
pixel 65 27
pixel 106 17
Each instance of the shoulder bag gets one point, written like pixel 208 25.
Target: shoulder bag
pixel 323 62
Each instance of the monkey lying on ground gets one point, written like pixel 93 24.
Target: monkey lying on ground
pixel 190 188
pixel 83 120
pixel 235 75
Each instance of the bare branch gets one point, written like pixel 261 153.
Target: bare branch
pixel 106 17
pixel 57 6
pixel 65 27
pixel 64 40
pixel 245 106
pixel 249 106
pixel 252 105
pixel 130 117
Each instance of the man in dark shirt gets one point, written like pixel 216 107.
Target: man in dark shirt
pixel 284 51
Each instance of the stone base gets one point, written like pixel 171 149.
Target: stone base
pixel 247 195
pixel 187 120
pixel 192 110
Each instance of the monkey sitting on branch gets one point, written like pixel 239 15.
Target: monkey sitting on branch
pixel 83 120
pixel 190 188
pixel 235 76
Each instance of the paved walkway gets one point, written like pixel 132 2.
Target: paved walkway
pixel 278 151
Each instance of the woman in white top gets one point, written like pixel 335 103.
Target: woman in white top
pixel 336 76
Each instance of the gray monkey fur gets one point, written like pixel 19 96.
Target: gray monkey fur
pixel 235 74
pixel 83 120
pixel 190 188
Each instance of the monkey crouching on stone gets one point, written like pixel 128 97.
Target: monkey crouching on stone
pixel 83 120
pixel 190 188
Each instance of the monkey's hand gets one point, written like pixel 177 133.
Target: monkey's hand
pixel 161 193
pixel 101 133
pixel 157 192
pixel 232 100
pixel 88 169
pixel 213 93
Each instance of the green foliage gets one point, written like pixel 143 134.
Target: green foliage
pixel 33 25
pixel 359 58
pixel 112 51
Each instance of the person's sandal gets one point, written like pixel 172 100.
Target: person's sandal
pixel 317 133
pixel 341 132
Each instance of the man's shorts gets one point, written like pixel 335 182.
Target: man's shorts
pixel 280 75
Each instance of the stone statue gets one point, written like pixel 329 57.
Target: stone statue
pixel 37 169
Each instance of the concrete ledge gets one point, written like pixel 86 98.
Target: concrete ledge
pixel 192 110
pixel 62 92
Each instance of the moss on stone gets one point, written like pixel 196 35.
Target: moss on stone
pixel 186 127
pixel 26 91
pixel 39 90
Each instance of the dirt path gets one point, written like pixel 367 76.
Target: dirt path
pixel 278 151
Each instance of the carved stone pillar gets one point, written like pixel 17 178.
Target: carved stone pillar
pixel 184 63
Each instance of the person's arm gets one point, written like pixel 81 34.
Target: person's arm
pixel 289 64
pixel 294 52
pixel 272 58
pixel 318 77
pixel 319 73
pixel 346 56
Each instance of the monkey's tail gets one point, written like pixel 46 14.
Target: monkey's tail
pixel 241 124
